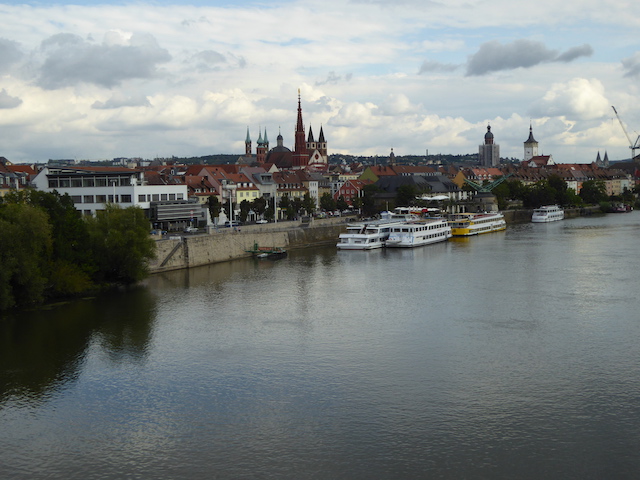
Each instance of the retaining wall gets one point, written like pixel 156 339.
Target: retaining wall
pixel 228 244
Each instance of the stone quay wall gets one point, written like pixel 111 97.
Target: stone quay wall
pixel 186 251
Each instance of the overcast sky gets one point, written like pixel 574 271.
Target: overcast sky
pixel 97 80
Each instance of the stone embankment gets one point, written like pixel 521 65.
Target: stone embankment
pixel 187 251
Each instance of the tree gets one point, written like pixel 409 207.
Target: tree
pixel 245 206
pixel 406 195
pixel 368 199
pixel 308 203
pixel 259 205
pixel 593 192
pixel 120 241
pixel 327 202
pixel 25 249
pixel 342 204
pixel 214 205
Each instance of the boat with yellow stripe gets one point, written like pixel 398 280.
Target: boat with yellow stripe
pixel 468 224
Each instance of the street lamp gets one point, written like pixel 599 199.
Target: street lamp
pixel 230 188
pixel 113 182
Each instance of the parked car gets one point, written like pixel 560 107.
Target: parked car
pixel 190 229
pixel 261 221
pixel 235 223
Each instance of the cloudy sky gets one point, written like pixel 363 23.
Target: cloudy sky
pixel 99 79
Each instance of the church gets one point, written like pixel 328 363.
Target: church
pixel 308 153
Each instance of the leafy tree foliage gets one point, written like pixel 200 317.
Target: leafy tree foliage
pixel 593 192
pixel 245 207
pixel 121 244
pixel 308 203
pixel 368 200
pixel 259 205
pixel 327 203
pixel 341 204
pixel 25 249
pixel 214 205
pixel 406 195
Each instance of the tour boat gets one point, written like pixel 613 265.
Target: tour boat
pixel 548 213
pixel 417 233
pixel 467 224
pixel 373 234
pixel 366 236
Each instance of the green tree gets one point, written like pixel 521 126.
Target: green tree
pixel 406 195
pixel 308 203
pixel 593 192
pixel 120 241
pixel 25 249
pixel 245 206
pixel 342 204
pixel 259 205
pixel 327 202
pixel 214 206
pixel 369 199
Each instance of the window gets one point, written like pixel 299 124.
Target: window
pixel 179 196
pixel 76 198
pixel 88 199
pixel 156 197
pixel 101 199
pixel 54 183
pixel 76 182
pixel 101 181
pixel 142 198
pixel 172 196
pixel 64 183
pixel 125 198
pixel 164 197
pixel 88 182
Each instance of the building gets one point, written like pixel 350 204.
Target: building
pixel 92 187
pixel 530 146
pixel 489 152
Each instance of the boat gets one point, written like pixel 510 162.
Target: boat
pixel 267 252
pixel 372 234
pixel 547 213
pixel 417 233
pixel 622 208
pixel 467 224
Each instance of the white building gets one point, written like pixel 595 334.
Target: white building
pixel 92 187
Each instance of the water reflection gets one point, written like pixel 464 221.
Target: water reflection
pixel 42 350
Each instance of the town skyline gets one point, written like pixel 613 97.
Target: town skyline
pixel 98 81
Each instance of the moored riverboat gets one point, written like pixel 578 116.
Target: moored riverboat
pixel 373 234
pixel 547 213
pixel 468 224
pixel 418 233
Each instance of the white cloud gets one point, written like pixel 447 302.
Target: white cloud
pixel 146 80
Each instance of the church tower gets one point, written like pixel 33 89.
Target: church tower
pixel 300 156
pixel 247 145
pixel 489 152
pixel 530 146
pixel 262 148
pixel 322 144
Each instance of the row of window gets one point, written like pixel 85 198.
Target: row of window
pixel 162 197
pixel 74 182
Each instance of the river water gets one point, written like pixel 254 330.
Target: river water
pixel 511 355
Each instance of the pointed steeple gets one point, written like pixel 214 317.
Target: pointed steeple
pixel 248 139
pixel 300 157
pixel 310 137
pixel 321 139
pixel 531 139
pixel 265 140
pixel 247 145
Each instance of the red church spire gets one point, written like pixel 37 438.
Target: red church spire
pixel 300 155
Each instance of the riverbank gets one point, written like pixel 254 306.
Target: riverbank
pixel 188 251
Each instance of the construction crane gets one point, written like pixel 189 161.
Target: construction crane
pixel 633 146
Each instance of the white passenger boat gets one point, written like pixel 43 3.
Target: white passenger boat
pixel 417 233
pixel 548 213
pixel 467 224
pixel 373 234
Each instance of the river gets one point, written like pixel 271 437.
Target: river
pixel 510 355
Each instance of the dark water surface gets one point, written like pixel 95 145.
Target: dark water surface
pixel 511 355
